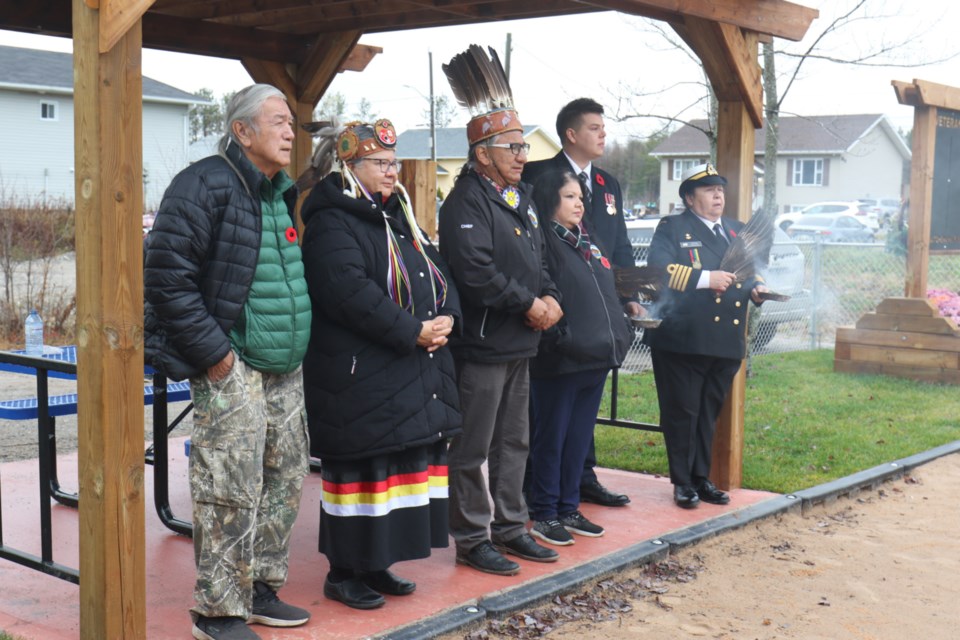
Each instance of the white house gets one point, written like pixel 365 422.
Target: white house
pixel 840 157
pixel 36 128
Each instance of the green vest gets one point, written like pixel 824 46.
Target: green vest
pixel 271 334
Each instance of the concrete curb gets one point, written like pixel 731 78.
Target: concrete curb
pixel 870 478
pixel 529 595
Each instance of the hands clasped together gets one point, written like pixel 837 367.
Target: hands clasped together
pixel 543 313
pixel 433 333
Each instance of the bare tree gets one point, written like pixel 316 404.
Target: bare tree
pixel 831 41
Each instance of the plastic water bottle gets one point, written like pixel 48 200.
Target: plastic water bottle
pixel 33 329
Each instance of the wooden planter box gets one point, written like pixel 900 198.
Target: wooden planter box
pixel 905 338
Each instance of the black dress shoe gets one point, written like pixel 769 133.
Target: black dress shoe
pixel 598 494
pixel 685 496
pixel 388 583
pixel 524 546
pixel 708 492
pixel 353 593
pixel 484 557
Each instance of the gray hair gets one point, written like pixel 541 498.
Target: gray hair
pixel 245 106
pixel 472 162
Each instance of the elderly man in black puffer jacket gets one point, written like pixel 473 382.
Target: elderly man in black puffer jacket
pixel 227 307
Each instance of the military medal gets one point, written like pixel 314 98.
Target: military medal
pixel 611 203
pixel 532 214
pixel 695 258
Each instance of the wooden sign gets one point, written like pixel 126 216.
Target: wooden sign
pixel 945 205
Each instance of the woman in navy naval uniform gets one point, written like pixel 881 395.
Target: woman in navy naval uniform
pixel 698 348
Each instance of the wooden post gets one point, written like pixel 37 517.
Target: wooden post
pixel 921 199
pixel 419 177
pixel 109 200
pixel 735 157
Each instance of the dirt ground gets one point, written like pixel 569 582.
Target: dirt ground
pixel 883 565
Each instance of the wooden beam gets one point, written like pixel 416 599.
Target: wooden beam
pixel 117 17
pixel 419 178
pixel 921 200
pixel 325 59
pixel 109 202
pixel 267 72
pixel 222 41
pixel 360 56
pixel 773 17
pixel 729 58
pixel 735 155
pixel 938 95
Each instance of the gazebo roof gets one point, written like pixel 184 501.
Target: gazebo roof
pixel 286 30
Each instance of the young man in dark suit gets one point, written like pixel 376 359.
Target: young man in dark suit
pixel 583 136
pixel 699 347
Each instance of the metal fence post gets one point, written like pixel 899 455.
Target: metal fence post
pixel 817 289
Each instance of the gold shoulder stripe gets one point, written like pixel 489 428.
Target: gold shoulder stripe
pixel 679 276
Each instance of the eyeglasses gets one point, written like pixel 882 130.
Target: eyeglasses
pixel 385 165
pixel 515 147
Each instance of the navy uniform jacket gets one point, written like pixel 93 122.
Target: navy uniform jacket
pixel 609 229
pixel 696 321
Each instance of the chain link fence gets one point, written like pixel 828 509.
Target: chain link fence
pixel 831 285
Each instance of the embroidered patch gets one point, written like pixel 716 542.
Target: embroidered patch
pixel 533 217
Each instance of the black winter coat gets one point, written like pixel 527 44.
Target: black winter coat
pixel 199 262
pixel 593 332
pixel 369 388
pixel 609 230
pixel 496 255
pixel 697 321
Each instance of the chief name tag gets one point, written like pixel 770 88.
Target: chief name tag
pixel 691 245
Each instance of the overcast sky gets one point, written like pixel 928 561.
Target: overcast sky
pixel 613 58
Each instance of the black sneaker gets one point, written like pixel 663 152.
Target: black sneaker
pixel 484 557
pixel 269 610
pixel 576 523
pixel 222 628
pixel 551 531
pixel 523 546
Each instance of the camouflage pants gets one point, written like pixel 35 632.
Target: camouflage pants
pixel 248 457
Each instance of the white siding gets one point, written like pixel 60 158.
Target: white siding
pixel 36 156
pixel 871 168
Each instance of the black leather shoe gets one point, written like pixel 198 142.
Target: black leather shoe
pixel 353 593
pixel 524 546
pixel 388 583
pixel 484 557
pixel 598 494
pixel 708 492
pixel 685 496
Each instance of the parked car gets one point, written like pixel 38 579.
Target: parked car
pixel 883 208
pixel 830 228
pixel 640 233
pixel 783 274
pixel 849 208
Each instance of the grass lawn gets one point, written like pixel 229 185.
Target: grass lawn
pixel 804 424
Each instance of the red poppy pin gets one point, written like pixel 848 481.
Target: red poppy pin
pixel 600 180
pixel 733 233
pixel 291 234
pixel 605 262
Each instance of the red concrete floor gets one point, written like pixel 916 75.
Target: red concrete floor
pixel 40 607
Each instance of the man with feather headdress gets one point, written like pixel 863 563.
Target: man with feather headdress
pixel 698 348
pixel 491 238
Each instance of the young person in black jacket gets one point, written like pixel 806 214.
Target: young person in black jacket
pixel 568 374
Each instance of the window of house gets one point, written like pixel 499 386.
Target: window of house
pixel 48 110
pixel 808 172
pixel 682 166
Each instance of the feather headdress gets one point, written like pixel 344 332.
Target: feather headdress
pixel 480 86
pixel 324 153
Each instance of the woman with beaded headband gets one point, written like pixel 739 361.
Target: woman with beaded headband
pixel 379 380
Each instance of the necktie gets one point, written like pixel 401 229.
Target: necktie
pixel 718 231
pixel 585 188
